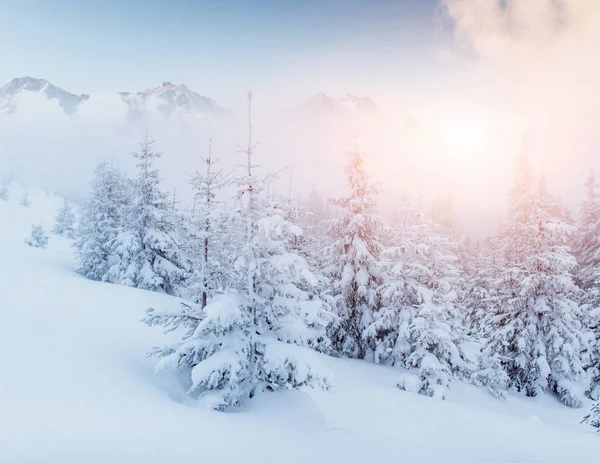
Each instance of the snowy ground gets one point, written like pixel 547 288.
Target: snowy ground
pixel 75 386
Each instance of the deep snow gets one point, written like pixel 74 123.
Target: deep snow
pixel 76 386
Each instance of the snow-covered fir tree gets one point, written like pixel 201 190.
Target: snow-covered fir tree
pixel 254 335
pixel 65 221
pixel 316 206
pixel 587 248
pixel 100 222
pixel 25 199
pixel 593 418
pixel 313 216
pixel 4 196
pixel 353 258
pixel 536 338
pixel 418 326
pixel 147 251
pixel 37 238
pixel 206 234
pixel 479 286
pixel 587 241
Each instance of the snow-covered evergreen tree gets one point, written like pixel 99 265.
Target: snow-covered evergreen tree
pixel 587 243
pixel 536 336
pixel 419 324
pixel 254 335
pixel 65 221
pixel 353 258
pixel 207 240
pixel 312 216
pixel 102 216
pixel 479 286
pixel 37 238
pixel 4 196
pixel 593 418
pixel 147 251
pixel 587 247
pixel 316 207
pixel 25 199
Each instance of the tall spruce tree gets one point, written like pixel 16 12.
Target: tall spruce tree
pixel 536 337
pixel 207 235
pixel 147 251
pixel 419 324
pixel 587 247
pixel 353 255
pixel 252 336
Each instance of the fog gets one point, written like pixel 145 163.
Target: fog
pixel 525 68
pixel 538 59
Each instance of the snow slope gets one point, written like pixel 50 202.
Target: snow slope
pixel 75 386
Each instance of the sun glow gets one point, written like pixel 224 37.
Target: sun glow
pixel 465 136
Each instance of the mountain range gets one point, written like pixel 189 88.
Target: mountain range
pixel 167 98
pixel 67 101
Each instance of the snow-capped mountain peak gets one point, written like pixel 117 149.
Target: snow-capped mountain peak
pixel 174 96
pixel 168 97
pixel 68 101
pixel 19 84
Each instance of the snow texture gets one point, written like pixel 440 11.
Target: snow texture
pixel 76 386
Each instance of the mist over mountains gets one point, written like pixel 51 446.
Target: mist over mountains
pixel 166 97
pixel 47 130
pixel 53 138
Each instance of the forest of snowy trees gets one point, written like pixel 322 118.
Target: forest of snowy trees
pixel 269 282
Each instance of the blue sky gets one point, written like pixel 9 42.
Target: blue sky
pixel 222 47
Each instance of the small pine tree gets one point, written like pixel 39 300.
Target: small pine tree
pixel 65 221
pixel 101 221
pixel 4 192
pixel 37 237
pixel 25 199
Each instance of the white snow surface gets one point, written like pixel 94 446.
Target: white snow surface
pixel 75 385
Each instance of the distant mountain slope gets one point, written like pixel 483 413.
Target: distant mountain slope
pixel 68 101
pixel 172 97
pixel 168 98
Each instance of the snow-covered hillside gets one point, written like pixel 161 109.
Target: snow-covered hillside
pixel 75 386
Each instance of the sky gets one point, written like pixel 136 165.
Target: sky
pixel 477 76
pixel 284 49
